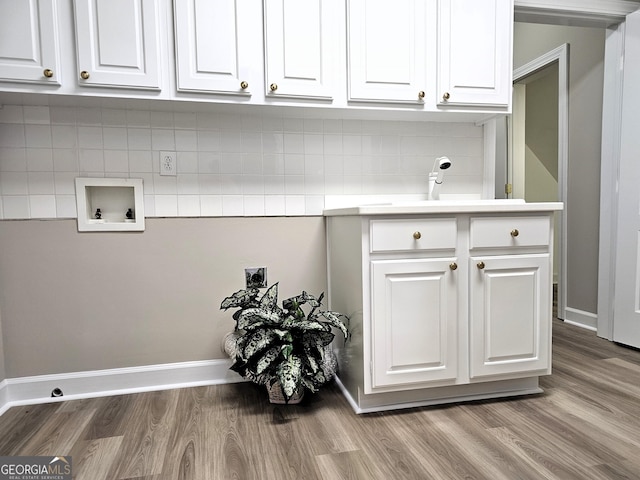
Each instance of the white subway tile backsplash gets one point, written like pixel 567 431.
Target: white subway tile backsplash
pixel 39 159
pixel 141 161
pixel 42 206
pixel 64 183
pixel 115 138
pixel 188 205
pixel 13 160
pixel 294 205
pixel 15 206
pixel 91 160
pixel 62 115
pixel 274 205
pixel 116 161
pixel 12 135
pixel 36 115
pixel 162 139
pixel 186 140
pixel 65 160
pixel 166 205
pixel 66 206
pixel 232 205
pixel 188 184
pixel 165 185
pixel 139 138
pixel 11 114
pixel 41 183
pixel 210 205
pixel 14 183
pixel 254 205
pixel 227 164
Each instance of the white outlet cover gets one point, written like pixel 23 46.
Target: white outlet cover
pixel 168 165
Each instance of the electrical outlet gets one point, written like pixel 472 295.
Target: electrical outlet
pixel 168 163
pixel 256 277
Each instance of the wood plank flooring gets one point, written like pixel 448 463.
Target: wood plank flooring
pixel 585 426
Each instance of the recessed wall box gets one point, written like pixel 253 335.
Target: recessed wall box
pixel 110 204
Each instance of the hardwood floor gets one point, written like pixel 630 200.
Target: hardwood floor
pixel 585 426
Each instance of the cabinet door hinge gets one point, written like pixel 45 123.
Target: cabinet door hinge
pixel 508 188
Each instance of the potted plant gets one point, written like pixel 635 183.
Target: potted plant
pixel 284 348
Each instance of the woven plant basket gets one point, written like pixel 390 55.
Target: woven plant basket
pixel 229 345
pixel 276 396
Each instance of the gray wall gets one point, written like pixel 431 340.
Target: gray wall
pixel 75 302
pixel 586 61
pixel 2 369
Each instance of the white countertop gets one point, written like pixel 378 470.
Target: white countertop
pixel 445 206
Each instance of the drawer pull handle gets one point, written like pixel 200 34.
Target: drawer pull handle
pixel 453 266
pixel 273 87
pixel 84 75
pixel 48 73
pixel 244 85
pixel 515 232
pixel 417 235
pixel 480 265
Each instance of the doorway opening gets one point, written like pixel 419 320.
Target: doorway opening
pixel 538 145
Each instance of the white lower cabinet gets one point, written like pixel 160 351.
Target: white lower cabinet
pixel 442 308
pixel 510 297
pixel 414 319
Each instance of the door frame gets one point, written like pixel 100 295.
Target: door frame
pixel 560 55
pixel 609 176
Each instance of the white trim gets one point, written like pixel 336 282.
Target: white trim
pixel 561 55
pixel 582 319
pixel 609 175
pixel 489 183
pixel 602 13
pixel 117 381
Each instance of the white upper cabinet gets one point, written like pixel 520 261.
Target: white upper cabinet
pixel 218 46
pixel 118 43
pixel 388 45
pixel 474 52
pixel 29 41
pixel 301 48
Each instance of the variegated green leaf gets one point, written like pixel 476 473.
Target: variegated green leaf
pixel 304 325
pixel 290 376
pixel 317 339
pixel 256 317
pixel 335 320
pixel 269 300
pixel 257 341
pixel 267 359
pixel 241 298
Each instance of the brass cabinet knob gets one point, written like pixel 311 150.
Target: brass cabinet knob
pixel 244 85
pixel 421 94
pixel 515 232
pixel 446 96
pixel 273 87
pixel 84 75
pixel 48 73
pixel 417 235
pixel 480 265
pixel 453 266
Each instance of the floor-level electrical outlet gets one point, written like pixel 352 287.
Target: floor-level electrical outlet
pixel 168 163
pixel 256 277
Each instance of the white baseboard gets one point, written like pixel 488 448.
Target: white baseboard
pixel 117 381
pixel 581 319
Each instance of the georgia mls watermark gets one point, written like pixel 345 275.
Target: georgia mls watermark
pixel 35 468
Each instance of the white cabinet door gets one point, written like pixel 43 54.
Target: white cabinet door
pixel 474 52
pixel 29 41
pixel 510 315
pixel 414 323
pixel 118 43
pixel 301 47
pixel 387 48
pixel 218 45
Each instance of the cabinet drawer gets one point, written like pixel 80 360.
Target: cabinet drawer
pixel 413 234
pixel 509 232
